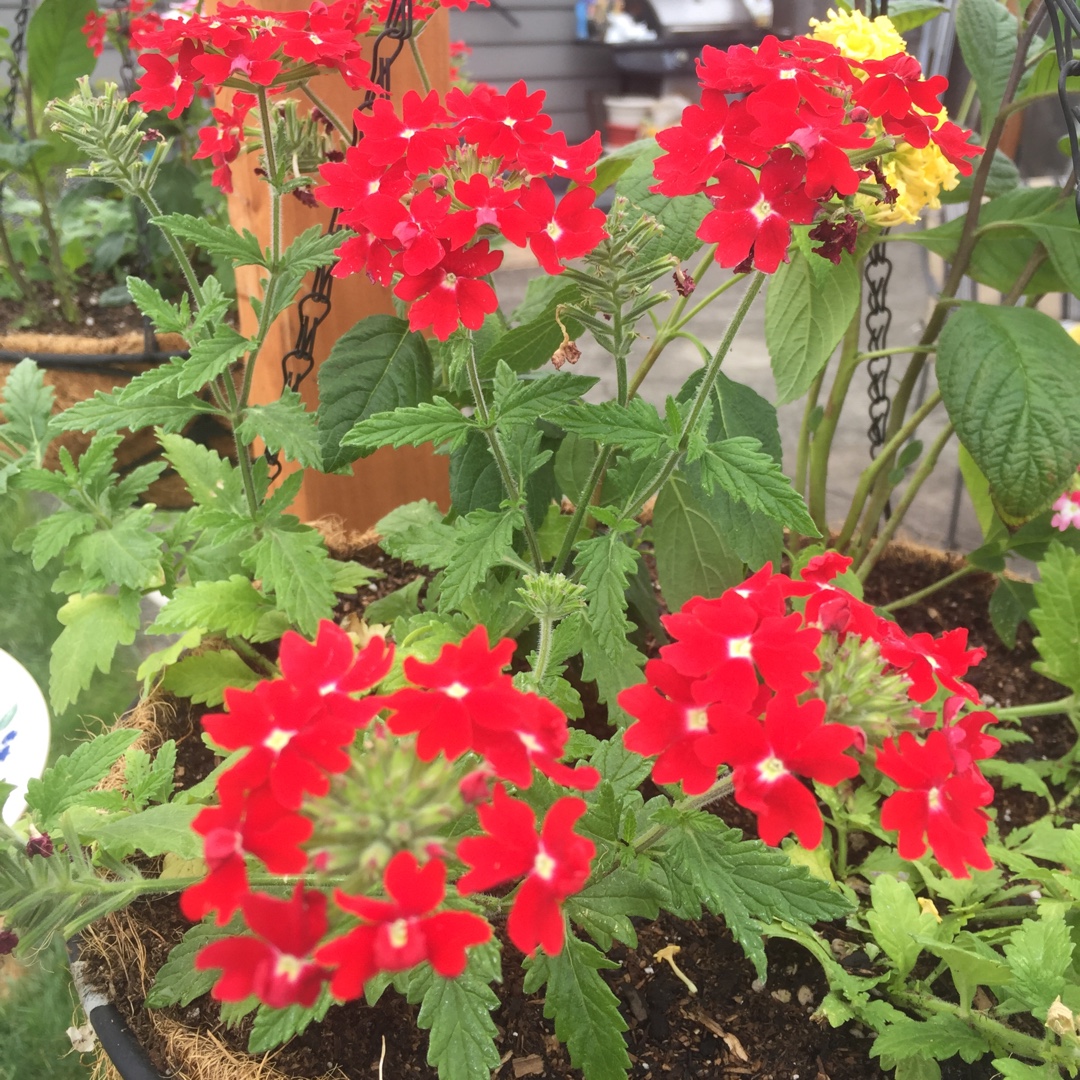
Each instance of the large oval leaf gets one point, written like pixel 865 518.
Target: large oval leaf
pixel 56 51
pixel 1010 380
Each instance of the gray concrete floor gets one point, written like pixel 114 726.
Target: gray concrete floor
pixel 930 519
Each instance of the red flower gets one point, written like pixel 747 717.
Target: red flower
pixel 673 724
pixel 452 294
pixel 556 863
pixel 499 124
pixel 936 804
pixel 766 758
pixel 162 86
pixel 567 231
pixel 93 28
pixel 276 965
pixel 246 823
pixel 754 215
pixel 413 136
pixel 398 934
pixel 929 661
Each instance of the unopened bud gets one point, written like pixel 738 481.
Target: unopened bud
pixel 476 786
pixel 684 283
pixel 304 196
pixel 39 845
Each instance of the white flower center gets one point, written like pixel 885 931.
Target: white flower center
pixel 697 720
pixel 762 210
pixel 544 866
pixel 771 769
pixel 277 740
pixel 740 648
pixel 398 933
pixel 456 689
pixel 289 966
pixel 933 798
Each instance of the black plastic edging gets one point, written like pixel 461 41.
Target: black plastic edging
pixel 80 360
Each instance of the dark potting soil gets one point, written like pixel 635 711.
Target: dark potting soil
pixel 733 1026
pixel 92 320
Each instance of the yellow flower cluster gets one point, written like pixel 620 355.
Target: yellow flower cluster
pixel 919 175
pixel 858 37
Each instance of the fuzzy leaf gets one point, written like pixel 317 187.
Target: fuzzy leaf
pixel 108 412
pixel 221 240
pixel 53 534
pixel 603 909
pixel 154 831
pixel 532 344
pixel 127 554
pixel 27 407
pixel 376 367
pixel 209 478
pixel 177 981
pixel 637 428
pixel 293 563
pixel 74 774
pixel 585 1011
pixel 274 1027
pixel 483 539
pixel 1039 954
pixel 285 426
pixel 605 564
pixel 167 318
pixel 210 358
pixel 1057 616
pixel 415 533
pixel 519 400
pixel 233 607
pixel 204 678
pixel 937 1039
pixel 94 625
pixel 435 422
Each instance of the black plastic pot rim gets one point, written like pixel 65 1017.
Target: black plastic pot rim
pixel 82 360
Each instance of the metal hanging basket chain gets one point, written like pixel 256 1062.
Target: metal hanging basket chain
pixel 314 305
pixel 878 320
pixel 1065 23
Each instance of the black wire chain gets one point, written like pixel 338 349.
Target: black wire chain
pixel 314 306
pixel 15 79
pixel 878 320
pixel 1064 28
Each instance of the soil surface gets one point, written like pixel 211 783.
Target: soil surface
pixel 93 320
pixel 734 1026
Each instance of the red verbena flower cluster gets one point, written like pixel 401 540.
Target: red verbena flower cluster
pixel 300 734
pixel 741 686
pixel 772 141
pixel 428 185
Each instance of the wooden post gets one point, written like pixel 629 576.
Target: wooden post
pixel 388 477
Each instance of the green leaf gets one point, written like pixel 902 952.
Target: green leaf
pixel 636 427
pixel 285 426
pixel 746 882
pixel 475 483
pixel 293 563
pixel 807 310
pixel 221 240
pixel 94 625
pixel 519 400
pixel 177 982
pixel 585 1011
pixel 532 344
pixel 692 554
pixel 376 367
pixel 209 478
pixel 203 678
pixel 53 534
pixel 399 604
pixel 603 909
pixel 74 774
pixel 680 216
pixel 1011 1069
pixel 605 565
pixel 623 769
pixel 167 318
pixel 274 1027
pixel 127 554
pixel 110 412
pixel 1039 954
pixel 458 1014
pixel 56 51
pixel 1005 377
pixel 906 15
pixel 986 31
pixel 415 533
pixel 1010 605
pixel 312 249
pixel 27 407
pixel 1004 177
pixel 740 467
pixel 483 540
pixel 210 358
pixel 233 607
pixel 972 963
pixel 896 920
pixel 610 671
pixel 939 1038
pixel 154 831
pixel 1057 617
pixel 150 779
pixel 436 422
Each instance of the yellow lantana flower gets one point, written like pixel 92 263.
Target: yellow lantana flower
pixel 857 37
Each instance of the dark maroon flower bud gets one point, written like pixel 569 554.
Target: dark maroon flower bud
pixel 746 265
pixel 152 135
pixel 39 845
pixel 836 237
pixel 684 283
pixel 334 155
pixel 305 196
pixel 8 940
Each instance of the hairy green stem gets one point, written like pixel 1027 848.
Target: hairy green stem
pixel 865 563
pixel 331 116
pixel 802 454
pixel 719 790
pixel 896 350
pixel 922 594
pixel 581 508
pixel 1042 708
pixel 425 81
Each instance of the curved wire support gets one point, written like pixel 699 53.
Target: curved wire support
pixel 1065 23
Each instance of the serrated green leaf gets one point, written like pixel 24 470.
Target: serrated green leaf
pixel 986 31
pixel 693 557
pixel 806 314
pixel 209 478
pixel 203 678
pixel 972 963
pixel 939 1038
pixel 531 345
pixel 401 603
pixel 211 357
pixel 61 786
pixel 603 909
pixel 1039 954
pixel 376 367
pixel 1057 616
pixel 160 408
pixel 94 625
pixel 1010 605
pixel 1005 378
pixel 167 318
pixel 415 532
pixel 27 406
pixel 609 671
pixel 128 554
pixel 274 1027
pixel 150 780
pixel 746 882
pixel 457 1012
pixel 896 921
pixel 294 565
pixel 285 426
pixel 1011 1069
pixel 605 565
pixel 154 831
pixel 435 422
pixel 224 241
pixel 637 427
pixel 312 249
pixel 519 400
pixel 482 540
pixel 741 468
pixel 53 534
pixel 177 982
pixel 232 607
pixel 585 1011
